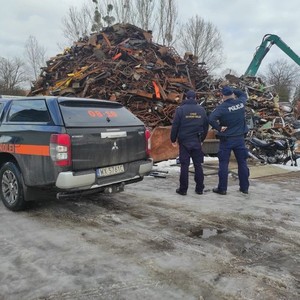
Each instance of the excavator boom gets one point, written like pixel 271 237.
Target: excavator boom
pixel 268 41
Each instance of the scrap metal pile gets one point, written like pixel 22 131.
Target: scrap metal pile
pixel 267 117
pixel 122 64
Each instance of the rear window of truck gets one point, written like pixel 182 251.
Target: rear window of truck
pixel 92 113
pixel 28 111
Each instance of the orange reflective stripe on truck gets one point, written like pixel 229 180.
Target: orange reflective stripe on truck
pixel 41 150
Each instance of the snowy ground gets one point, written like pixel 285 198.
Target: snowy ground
pixel 150 243
pixel 170 165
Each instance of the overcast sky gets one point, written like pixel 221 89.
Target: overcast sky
pixel 242 24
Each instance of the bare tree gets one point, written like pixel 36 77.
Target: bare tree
pixel 144 13
pixel 229 72
pixel 123 11
pixel 97 23
pixel 167 16
pixel 296 102
pixel 203 39
pixel 108 18
pixel 296 95
pixel 282 76
pixel 78 22
pixel 12 74
pixel 35 56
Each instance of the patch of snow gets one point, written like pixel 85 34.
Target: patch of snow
pixel 289 167
pixel 169 166
pixel 172 166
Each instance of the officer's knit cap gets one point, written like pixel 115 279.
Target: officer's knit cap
pixel 227 91
pixel 191 95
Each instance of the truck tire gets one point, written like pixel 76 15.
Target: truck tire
pixel 12 187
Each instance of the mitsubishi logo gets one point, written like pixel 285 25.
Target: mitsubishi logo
pixel 115 147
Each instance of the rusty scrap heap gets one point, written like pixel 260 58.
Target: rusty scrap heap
pixel 122 64
pixel 279 118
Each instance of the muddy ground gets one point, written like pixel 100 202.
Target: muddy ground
pixel 150 243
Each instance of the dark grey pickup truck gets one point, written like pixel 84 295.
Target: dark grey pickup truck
pixel 70 146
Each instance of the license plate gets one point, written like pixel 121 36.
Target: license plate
pixel 108 171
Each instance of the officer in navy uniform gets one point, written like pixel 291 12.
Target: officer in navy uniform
pixel 229 120
pixel 189 130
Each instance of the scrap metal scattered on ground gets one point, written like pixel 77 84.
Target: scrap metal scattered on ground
pixel 122 64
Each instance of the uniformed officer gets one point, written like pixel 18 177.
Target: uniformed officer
pixel 189 129
pixel 229 120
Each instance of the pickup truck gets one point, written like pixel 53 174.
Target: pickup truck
pixel 69 146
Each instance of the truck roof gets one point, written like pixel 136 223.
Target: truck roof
pixel 59 99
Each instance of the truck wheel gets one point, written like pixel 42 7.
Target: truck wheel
pixel 12 187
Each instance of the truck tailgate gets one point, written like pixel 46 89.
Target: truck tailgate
pixel 97 147
pixel 103 133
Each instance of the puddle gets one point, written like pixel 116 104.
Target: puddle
pixel 205 233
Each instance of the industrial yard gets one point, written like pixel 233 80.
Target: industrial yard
pixel 148 242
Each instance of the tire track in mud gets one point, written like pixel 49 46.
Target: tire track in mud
pixel 252 247
pixel 148 239
pixel 185 244
pixel 255 246
pixel 116 290
pixel 259 235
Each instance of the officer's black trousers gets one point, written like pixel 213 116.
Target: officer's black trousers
pixel 237 145
pixel 188 151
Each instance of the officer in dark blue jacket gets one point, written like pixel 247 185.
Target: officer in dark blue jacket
pixel 229 120
pixel 189 129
